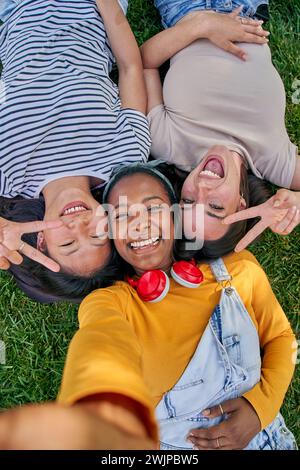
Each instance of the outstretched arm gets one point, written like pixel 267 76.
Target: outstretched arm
pixel 126 51
pixel 223 30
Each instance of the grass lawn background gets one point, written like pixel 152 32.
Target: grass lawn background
pixel 37 337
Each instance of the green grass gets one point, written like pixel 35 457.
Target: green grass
pixel 37 336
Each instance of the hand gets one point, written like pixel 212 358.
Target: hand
pixel 11 243
pixel 58 427
pixel 281 213
pixel 241 425
pixel 224 30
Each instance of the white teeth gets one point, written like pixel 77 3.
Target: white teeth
pixel 74 209
pixel 142 243
pixel 210 173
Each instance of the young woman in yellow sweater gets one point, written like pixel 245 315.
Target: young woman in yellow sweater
pixel 194 356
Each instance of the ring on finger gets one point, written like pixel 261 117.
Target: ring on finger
pixel 21 247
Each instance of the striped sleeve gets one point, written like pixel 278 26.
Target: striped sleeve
pixel 140 127
pixel 4 185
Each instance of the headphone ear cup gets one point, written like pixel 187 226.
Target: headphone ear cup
pixel 187 274
pixel 153 286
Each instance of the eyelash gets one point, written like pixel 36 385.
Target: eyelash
pixel 68 244
pixel 215 207
pixel 187 201
pixel 149 209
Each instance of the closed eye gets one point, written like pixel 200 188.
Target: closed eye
pixel 68 244
pixel 187 201
pixel 216 207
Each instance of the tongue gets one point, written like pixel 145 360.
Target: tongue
pixel 215 166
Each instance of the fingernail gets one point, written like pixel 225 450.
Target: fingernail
pixel 276 204
pixel 206 412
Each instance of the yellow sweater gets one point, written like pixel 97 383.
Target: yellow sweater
pixel 141 349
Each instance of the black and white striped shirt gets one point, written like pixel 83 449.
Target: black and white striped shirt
pixel 60 113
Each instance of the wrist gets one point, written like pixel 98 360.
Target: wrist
pixel 203 25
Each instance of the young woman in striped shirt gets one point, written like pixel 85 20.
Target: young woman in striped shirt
pixel 64 126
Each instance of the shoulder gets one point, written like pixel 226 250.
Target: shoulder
pixel 112 299
pixel 242 264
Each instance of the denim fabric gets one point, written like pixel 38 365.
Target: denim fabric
pixel 225 365
pixel 172 11
pixel 8 6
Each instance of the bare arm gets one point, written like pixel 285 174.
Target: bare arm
pixel 296 179
pixel 126 51
pixel 58 427
pixel 222 30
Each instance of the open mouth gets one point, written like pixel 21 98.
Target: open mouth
pixel 74 207
pixel 213 168
pixel 144 244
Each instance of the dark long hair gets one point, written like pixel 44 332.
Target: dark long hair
pixel 38 282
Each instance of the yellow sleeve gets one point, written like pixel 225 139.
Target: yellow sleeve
pixel 278 344
pixel 105 356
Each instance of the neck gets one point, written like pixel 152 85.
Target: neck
pixel 52 189
pixel 166 267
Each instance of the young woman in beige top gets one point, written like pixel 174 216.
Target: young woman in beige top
pixel 219 114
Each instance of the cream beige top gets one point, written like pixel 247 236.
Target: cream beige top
pixel 212 97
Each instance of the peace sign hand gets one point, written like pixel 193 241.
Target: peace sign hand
pixel 11 243
pixel 281 213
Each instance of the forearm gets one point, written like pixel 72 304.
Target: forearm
pixel 55 427
pixel 167 43
pixel 120 35
pixel 276 374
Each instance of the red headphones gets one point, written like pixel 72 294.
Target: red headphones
pixel 154 285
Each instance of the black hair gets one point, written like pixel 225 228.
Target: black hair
pixel 254 191
pixel 38 282
pixel 168 181
pixel 129 170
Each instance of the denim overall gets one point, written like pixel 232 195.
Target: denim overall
pixel 172 11
pixel 226 364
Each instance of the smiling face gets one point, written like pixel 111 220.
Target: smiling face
pixel 214 183
pixel 143 228
pixel 81 245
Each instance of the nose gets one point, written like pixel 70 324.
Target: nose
pixel 80 221
pixel 143 222
pixel 203 192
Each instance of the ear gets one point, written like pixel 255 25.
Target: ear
pixel 242 204
pixel 41 243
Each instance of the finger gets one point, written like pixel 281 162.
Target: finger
pixel 40 225
pixel 40 258
pixel 245 214
pixel 4 263
pixel 221 443
pixel 293 224
pixel 218 410
pixel 251 236
pixel 210 433
pixel 11 255
pixel 286 221
pixel 235 50
pixel 254 38
pixel 281 199
pixel 257 30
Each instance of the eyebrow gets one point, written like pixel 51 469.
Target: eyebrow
pixel 146 199
pixel 215 216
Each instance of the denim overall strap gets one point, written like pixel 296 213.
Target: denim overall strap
pixel 219 270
